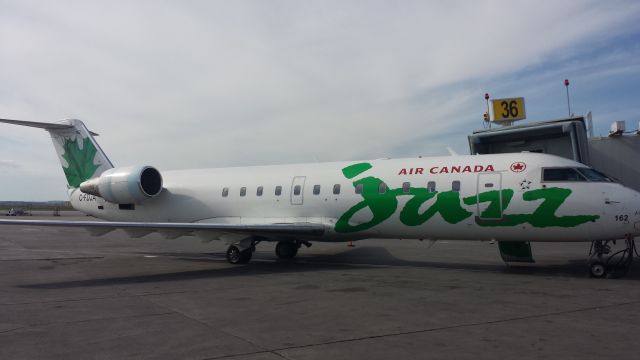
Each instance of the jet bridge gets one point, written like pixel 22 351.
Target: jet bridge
pixel 564 137
pixel 612 155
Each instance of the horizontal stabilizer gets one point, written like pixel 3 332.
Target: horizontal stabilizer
pixel 80 155
pixel 42 125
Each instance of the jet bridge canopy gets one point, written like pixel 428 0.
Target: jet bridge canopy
pixel 564 137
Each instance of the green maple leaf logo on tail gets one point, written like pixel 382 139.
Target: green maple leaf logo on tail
pixel 81 166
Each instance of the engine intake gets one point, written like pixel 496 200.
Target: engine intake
pixel 125 185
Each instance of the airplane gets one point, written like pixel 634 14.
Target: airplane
pixel 513 198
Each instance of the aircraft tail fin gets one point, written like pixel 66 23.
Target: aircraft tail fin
pixel 80 155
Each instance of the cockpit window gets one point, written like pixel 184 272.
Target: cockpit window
pixel 594 175
pixel 574 174
pixel 562 174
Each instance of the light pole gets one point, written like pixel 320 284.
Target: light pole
pixel 487 117
pixel 566 85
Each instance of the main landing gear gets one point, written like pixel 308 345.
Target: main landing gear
pixel 236 255
pixel 603 262
pixel 285 250
pixel 288 249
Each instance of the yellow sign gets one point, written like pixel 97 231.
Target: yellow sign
pixel 508 109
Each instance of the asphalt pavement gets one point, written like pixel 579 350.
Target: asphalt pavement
pixel 67 295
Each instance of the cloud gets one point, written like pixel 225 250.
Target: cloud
pixel 203 84
pixel 9 164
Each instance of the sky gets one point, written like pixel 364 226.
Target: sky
pixel 197 84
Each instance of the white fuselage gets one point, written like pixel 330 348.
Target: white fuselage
pixel 483 197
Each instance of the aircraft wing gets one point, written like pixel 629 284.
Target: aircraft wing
pixel 206 231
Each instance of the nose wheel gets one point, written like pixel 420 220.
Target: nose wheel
pixel 605 262
pixel 597 269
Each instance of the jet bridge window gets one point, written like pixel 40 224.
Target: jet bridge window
pixel 562 174
pixel 359 188
pixel 455 186
pixel 259 191
pixel 278 190
pixel 316 189
pixel 336 189
pixel 225 192
pixel 296 190
pixel 243 191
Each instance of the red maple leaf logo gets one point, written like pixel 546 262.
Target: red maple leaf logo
pixel 518 166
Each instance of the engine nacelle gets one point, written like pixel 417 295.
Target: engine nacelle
pixel 125 185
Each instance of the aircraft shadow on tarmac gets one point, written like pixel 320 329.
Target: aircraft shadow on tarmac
pixel 363 257
pixel 379 256
pixel 252 269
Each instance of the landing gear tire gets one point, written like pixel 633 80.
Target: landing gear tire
pixel 605 262
pixel 597 269
pixel 287 249
pixel 237 256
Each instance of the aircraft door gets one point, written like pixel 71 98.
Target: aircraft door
pixel 297 190
pixel 489 196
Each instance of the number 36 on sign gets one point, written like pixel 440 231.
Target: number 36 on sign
pixel 508 109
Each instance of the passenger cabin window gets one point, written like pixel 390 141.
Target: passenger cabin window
pixel 225 192
pixel 359 188
pixel 382 188
pixel 278 190
pixel 431 186
pixel 296 190
pixel 455 186
pixel 562 174
pixel 259 190
pixel 243 191
pixel 406 187
pixel 316 189
pixel 336 189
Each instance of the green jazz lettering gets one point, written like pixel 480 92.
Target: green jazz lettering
pixel 383 204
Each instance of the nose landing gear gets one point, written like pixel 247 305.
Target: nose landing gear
pixel 603 262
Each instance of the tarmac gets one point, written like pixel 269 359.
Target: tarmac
pixel 67 295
